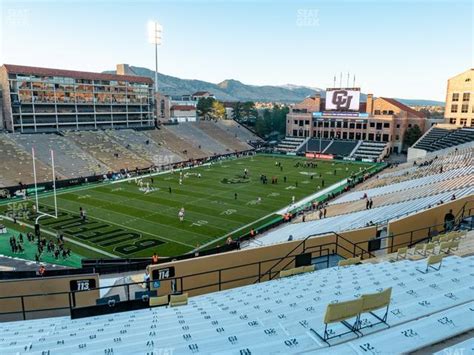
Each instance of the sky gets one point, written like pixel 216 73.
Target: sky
pixel 404 49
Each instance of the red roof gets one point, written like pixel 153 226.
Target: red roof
pixel 403 107
pixel 21 69
pixel 183 107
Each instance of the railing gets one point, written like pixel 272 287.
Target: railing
pixel 324 250
pixel 178 282
pixel 465 211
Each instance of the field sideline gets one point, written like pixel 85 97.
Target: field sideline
pixel 127 222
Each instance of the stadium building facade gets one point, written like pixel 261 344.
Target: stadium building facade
pixel 341 115
pixel 460 99
pixel 47 100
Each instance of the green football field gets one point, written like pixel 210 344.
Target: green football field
pixel 124 220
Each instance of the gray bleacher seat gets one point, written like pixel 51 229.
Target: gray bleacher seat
pixel 271 317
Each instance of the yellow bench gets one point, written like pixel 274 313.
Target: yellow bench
pixel 178 300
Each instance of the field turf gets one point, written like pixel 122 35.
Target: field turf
pixel 127 222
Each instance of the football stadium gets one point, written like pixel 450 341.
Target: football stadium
pixel 141 213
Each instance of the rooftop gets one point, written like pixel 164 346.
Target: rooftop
pixel 21 69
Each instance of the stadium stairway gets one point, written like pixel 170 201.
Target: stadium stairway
pixel 278 316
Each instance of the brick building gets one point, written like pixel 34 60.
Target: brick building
pixel 460 99
pixel 44 100
pixel 378 119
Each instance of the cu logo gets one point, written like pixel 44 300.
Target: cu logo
pixel 341 99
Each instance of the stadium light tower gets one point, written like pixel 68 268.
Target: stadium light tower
pixel 155 31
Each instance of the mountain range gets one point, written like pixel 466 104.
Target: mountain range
pixel 234 90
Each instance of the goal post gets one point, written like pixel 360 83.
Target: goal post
pixel 40 213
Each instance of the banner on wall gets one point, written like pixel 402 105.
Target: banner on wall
pixel 319 156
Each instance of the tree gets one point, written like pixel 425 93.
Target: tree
pixel 217 110
pixel 249 112
pixel 204 106
pixel 237 111
pixel 412 134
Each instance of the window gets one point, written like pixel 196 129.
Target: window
pixel 306 122
pixel 379 125
pixel 452 120
pixel 377 112
pixel 454 108
pixel 301 123
pixel 385 137
pixel 371 136
pixel 386 125
pixel 455 97
pixel 409 125
pixel 464 108
pixel 351 125
pixel 295 133
pixel 358 126
pixel 390 112
pixel 397 137
pixel 466 96
pixel 398 125
pixel 295 121
pixel 463 121
pixel 372 124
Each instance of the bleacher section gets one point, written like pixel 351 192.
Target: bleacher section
pixel 290 144
pixel 346 148
pixel 280 316
pixel 191 132
pixel 17 164
pixel 175 143
pixel 358 219
pixel 86 153
pixel 423 167
pixel 140 144
pixel 70 160
pixel 106 150
pixel 441 138
pixel 422 187
pixel 238 131
pixel 341 148
pixel 370 150
pixel 213 130
pixel 314 145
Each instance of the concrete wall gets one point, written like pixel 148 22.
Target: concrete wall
pixel 43 285
pixel 237 273
pixel 421 221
